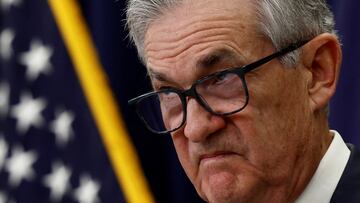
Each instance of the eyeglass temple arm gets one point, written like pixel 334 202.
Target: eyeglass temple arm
pixel 282 52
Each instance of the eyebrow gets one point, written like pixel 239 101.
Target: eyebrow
pixel 205 62
pixel 153 74
pixel 215 57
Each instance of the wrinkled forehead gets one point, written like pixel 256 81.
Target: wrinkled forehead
pixel 196 13
pixel 198 10
pixel 186 37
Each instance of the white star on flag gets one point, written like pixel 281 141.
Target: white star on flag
pixel 4 98
pixel 19 166
pixel 61 127
pixel 88 190
pixel 58 181
pixel 6 38
pixel 2 197
pixel 37 60
pixel 5 4
pixel 3 151
pixel 28 112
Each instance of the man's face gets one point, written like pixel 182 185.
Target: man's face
pixel 248 156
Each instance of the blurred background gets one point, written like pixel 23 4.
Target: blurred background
pixel 52 146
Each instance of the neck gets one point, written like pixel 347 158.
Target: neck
pixel 311 153
pixel 318 142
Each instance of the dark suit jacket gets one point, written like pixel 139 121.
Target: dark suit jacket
pixel 348 189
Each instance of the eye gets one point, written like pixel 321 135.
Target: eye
pixel 166 89
pixel 222 78
pixel 167 95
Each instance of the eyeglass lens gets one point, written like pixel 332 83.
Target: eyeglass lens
pixel 222 93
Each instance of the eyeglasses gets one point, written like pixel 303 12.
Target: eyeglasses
pixel 221 93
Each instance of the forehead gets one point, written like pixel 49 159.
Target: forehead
pixel 197 12
pixel 194 29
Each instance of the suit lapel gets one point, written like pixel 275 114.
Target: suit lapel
pixel 348 189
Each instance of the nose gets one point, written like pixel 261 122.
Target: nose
pixel 201 123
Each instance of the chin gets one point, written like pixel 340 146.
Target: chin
pixel 220 188
pixel 225 187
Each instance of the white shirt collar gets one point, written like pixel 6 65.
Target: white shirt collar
pixel 322 185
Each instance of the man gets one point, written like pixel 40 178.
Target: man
pixel 243 87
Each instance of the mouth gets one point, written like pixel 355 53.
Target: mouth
pixel 216 156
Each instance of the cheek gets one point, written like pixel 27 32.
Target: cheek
pixel 274 125
pixel 280 102
pixel 182 149
pixel 266 151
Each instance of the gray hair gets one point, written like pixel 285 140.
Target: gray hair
pixel 281 21
pixel 140 14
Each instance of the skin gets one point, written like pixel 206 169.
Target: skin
pixel 269 151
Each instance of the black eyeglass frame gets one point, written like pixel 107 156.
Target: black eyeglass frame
pixel 191 92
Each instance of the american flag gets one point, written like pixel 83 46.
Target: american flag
pixel 50 147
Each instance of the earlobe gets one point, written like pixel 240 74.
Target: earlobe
pixel 322 58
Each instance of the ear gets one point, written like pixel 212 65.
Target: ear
pixel 322 57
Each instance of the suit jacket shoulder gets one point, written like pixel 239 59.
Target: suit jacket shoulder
pixel 348 188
